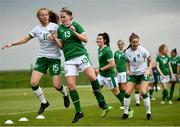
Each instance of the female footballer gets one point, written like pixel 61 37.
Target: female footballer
pixel 70 36
pixel 164 68
pixel 174 59
pixel 106 72
pixel 138 71
pixel 48 56
pixel 120 61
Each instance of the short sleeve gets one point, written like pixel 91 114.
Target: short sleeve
pixel 125 53
pixel 157 60
pixel 115 55
pixel 59 33
pixel 109 55
pixel 169 59
pixel 79 28
pixel 33 33
pixel 178 60
pixel 146 53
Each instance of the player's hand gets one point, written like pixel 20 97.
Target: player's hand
pixel 53 36
pixel 7 45
pixel 96 71
pixel 173 76
pixel 129 73
pixel 163 76
pixel 147 72
pixel 72 28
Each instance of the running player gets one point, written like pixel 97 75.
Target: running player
pixel 48 56
pixel 120 61
pixel 138 71
pixel 174 64
pixel 164 67
pixel 106 72
pixel 70 38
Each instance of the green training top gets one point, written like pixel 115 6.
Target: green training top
pixel 163 64
pixel 174 63
pixel 72 46
pixel 120 60
pixel 104 55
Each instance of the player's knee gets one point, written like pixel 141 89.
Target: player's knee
pixel 57 87
pixel 115 92
pixel 92 78
pixel 71 86
pixel 34 83
pixel 143 92
pixel 128 92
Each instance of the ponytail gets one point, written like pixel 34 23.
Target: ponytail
pixel 53 17
pixel 174 50
pixel 127 47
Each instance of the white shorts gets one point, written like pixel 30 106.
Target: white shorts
pixel 121 77
pixel 164 80
pixel 174 78
pixel 110 82
pixel 74 66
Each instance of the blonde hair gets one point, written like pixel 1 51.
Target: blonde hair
pixel 120 41
pixel 161 48
pixel 53 17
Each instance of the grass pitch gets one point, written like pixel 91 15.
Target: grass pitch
pixel 17 103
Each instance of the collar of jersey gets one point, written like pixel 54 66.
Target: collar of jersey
pixel 103 47
pixel 120 51
pixel 68 26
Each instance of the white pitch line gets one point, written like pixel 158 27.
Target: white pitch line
pixel 18 113
pixel 82 86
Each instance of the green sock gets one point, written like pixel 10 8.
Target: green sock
pixel 137 92
pixel 151 92
pixel 123 93
pixel 171 92
pixel 145 96
pixel 98 95
pixel 120 98
pixel 165 95
pixel 75 99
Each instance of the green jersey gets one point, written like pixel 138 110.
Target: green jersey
pixel 174 63
pixel 72 46
pixel 163 62
pixel 105 55
pixel 120 60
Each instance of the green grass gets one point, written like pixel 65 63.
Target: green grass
pixel 21 79
pixel 17 103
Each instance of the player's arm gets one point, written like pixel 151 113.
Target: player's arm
pixel 170 69
pixel 178 70
pixel 20 41
pixel 83 37
pixel 159 70
pixel 128 68
pixel 151 63
pixel 53 38
pixel 111 64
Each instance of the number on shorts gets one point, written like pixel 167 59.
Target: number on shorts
pixel 110 82
pixel 55 68
pixel 84 61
